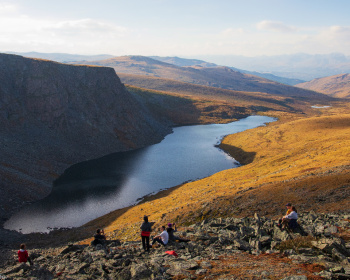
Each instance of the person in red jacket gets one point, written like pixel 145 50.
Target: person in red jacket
pixel 23 254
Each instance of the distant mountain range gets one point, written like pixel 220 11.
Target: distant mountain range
pixel 336 86
pixel 288 69
pixel 298 66
pixel 196 62
pixel 219 76
pixel 183 62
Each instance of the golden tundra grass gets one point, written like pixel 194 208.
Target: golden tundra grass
pixel 300 160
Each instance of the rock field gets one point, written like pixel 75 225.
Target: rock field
pixel 230 248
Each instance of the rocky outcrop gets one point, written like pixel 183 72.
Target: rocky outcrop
pixel 243 248
pixel 53 115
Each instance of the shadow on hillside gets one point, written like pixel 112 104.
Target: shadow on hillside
pixel 186 110
pixel 238 154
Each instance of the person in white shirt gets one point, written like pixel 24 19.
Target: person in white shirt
pixel 162 238
pixel 290 219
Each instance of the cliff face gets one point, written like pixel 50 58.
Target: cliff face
pixel 53 115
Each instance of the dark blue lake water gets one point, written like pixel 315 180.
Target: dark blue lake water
pixel 93 188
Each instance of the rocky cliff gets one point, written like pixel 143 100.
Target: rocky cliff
pixel 53 115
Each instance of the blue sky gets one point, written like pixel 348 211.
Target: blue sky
pixel 181 28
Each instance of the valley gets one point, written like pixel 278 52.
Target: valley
pixel 303 158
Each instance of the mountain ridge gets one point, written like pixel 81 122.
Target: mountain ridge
pixel 336 86
pixel 221 76
pixel 196 62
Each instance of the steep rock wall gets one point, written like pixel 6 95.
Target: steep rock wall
pixel 53 115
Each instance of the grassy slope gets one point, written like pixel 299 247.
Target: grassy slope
pixel 335 86
pixel 297 159
pixel 185 110
pixel 254 100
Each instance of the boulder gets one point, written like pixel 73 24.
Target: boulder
pixel 295 277
pixel 140 271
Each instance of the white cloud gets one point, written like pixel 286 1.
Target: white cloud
pixel 20 32
pixel 6 8
pixel 232 32
pixel 275 26
pixel 86 26
pixel 23 33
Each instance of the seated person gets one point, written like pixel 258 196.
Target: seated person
pixel 170 230
pixel 163 238
pixel 290 220
pixel 100 238
pixel 289 210
pixel 23 255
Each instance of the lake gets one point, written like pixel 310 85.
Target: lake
pixel 90 189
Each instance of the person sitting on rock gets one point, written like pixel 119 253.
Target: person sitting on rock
pixel 163 238
pixel 289 210
pixel 170 230
pixel 100 238
pixel 290 220
pixel 23 255
pixel 146 229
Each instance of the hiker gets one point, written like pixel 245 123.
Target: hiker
pixel 100 238
pixel 170 230
pixel 289 210
pixel 162 238
pixel 290 220
pixel 146 229
pixel 23 255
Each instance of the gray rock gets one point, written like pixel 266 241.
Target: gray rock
pixel 140 271
pixel 42 274
pixel 123 274
pixel 242 245
pixel 184 265
pixel 295 277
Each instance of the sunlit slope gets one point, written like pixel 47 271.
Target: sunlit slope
pixel 186 110
pixel 335 86
pixel 305 162
pixel 255 100
pixel 220 77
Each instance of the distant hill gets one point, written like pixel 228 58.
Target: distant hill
pixel 178 61
pixel 336 86
pixel 220 77
pixel 296 66
pixel 253 100
pixel 62 57
pixel 196 62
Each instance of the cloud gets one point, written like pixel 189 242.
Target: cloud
pixel 23 33
pixel 275 26
pixel 232 31
pixel 340 32
pixel 86 27
pixel 6 8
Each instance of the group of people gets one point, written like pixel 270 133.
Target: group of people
pixel 289 221
pixel 163 238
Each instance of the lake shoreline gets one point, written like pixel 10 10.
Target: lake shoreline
pixel 63 235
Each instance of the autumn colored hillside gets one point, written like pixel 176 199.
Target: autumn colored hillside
pixel 298 159
pixel 336 86
pixel 219 77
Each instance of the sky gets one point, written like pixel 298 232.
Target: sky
pixel 176 28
